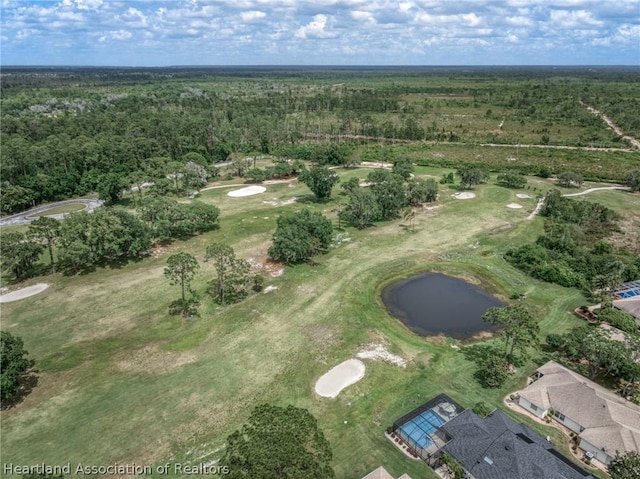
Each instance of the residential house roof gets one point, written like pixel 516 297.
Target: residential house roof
pixel 630 305
pixel 497 447
pixel 382 473
pixel 610 421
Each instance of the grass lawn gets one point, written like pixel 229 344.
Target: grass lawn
pixel 122 381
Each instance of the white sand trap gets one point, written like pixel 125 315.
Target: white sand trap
pixel 524 196
pixel 269 288
pixel 248 191
pixel 514 206
pixel 336 379
pixel 23 293
pixel 466 195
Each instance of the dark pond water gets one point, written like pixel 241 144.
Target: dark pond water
pixel 433 303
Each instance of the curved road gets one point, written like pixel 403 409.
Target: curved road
pixel 26 217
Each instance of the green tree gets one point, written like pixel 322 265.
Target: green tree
pixel 470 177
pixel 492 370
pixel 570 179
pixel 453 465
pixel 15 198
pixel 232 274
pixel 320 181
pixel 102 236
pixel 421 191
pixel 256 175
pixel 350 185
pixel 402 167
pixel 625 466
pixel 278 443
pixel 110 188
pixel 362 210
pixel 45 230
pixel 181 269
pixel 390 196
pixel 519 328
pixel 13 364
pixel 632 180
pixel 511 180
pixel 299 236
pixel 481 409
pixel 19 254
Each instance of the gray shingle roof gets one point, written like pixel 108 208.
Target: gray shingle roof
pixel 497 447
pixel 610 421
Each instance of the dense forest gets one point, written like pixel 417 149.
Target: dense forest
pixel 66 132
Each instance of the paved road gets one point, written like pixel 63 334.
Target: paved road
pixel 27 217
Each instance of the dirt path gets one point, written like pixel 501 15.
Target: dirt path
pixel 580 193
pixel 591 190
pixel 537 209
pixel 611 124
pixel 459 143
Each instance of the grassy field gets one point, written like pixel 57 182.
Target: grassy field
pixel 122 381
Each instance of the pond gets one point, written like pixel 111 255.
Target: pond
pixel 433 303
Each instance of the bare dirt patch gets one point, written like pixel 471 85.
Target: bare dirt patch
pixel 152 359
pixel 275 203
pixel 261 263
pixel 628 237
pixel 465 195
pixel 23 293
pixel 379 351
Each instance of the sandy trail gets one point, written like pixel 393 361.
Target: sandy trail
pixel 23 293
pixel 591 190
pixel 579 193
pixel 537 209
pixel 612 125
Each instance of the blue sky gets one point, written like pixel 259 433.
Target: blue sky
pixel 320 32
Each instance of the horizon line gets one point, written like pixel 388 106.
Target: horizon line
pixel 327 65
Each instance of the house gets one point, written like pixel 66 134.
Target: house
pixel 604 422
pixel 497 447
pixel 381 473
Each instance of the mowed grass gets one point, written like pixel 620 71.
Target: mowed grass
pixel 122 381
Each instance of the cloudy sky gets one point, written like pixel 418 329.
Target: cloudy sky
pixel 320 32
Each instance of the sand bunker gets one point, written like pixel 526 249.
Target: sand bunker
pixel 23 293
pixel 248 191
pixel 466 195
pixel 524 195
pixel 515 206
pixel 336 379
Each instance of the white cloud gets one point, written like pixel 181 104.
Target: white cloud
pixel 116 35
pixel 573 18
pixel 471 19
pixel 519 21
pixel 315 28
pixel 252 15
pixel 88 4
